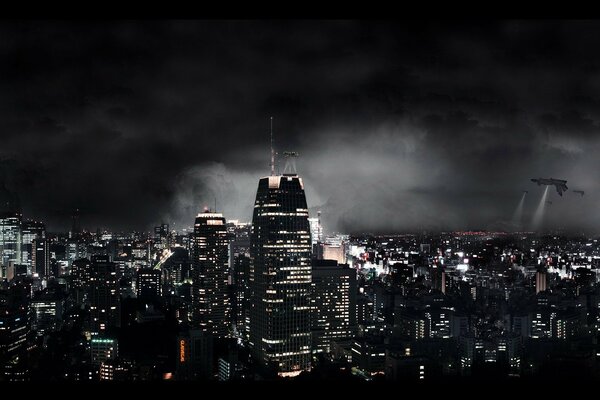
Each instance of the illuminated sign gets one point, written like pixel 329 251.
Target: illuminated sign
pixel 182 351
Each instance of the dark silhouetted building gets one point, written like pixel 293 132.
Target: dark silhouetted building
pixel 195 355
pixel 41 257
pixel 80 279
pixel 104 295
pixel 148 284
pixel 15 331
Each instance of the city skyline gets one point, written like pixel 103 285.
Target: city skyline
pixel 300 202
pixel 235 302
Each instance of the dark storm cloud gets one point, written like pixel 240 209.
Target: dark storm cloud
pixel 406 125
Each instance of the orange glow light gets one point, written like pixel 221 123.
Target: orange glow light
pixel 182 351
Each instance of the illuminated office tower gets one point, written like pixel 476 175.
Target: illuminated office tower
pixel 75 232
pixel 333 303
pixel 30 231
pixel 280 275
pixel 47 312
pixel 104 295
pixel 10 239
pixel 210 252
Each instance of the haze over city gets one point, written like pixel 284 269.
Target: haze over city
pixel 400 126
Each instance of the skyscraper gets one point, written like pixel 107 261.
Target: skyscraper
pixel 280 275
pixel 211 307
pixel 10 238
pixel 104 295
pixel 31 230
pixel 333 301
pixel 75 232
pixel 239 262
pixel 241 300
pixel 40 257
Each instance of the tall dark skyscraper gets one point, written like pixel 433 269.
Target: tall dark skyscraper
pixel 104 295
pixel 280 275
pixel 75 226
pixel 211 306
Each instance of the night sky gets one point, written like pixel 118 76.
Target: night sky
pixel 399 125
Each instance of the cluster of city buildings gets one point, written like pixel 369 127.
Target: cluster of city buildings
pixel 278 299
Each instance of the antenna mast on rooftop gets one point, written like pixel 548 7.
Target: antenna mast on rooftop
pixel 272 151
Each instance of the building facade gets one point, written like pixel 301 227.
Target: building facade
pixel 333 303
pixel 210 253
pixel 280 275
pixel 104 295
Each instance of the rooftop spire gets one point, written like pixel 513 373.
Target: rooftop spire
pixel 272 151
